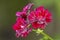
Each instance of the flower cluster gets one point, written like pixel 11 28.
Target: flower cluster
pixel 38 18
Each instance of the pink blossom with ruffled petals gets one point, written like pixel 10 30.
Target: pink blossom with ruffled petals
pixel 23 13
pixel 39 18
pixel 20 27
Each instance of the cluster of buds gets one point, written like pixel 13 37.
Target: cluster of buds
pixel 29 19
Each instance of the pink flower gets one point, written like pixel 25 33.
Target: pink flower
pixel 23 14
pixel 39 18
pixel 21 28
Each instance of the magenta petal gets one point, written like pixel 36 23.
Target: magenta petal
pixel 40 8
pixel 18 13
pixel 27 7
pixel 17 34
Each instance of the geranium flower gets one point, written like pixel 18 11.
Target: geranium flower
pixel 20 27
pixel 23 14
pixel 39 17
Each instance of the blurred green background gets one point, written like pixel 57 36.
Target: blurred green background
pixel 8 9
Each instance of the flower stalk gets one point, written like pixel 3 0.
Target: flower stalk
pixel 46 35
pixel 39 31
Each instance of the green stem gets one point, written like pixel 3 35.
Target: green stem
pixel 39 31
pixel 46 35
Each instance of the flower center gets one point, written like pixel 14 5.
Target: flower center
pixel 24 16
